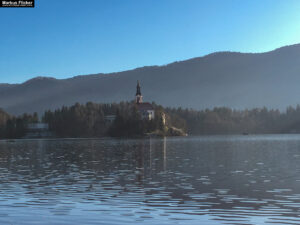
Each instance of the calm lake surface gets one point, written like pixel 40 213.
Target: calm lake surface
pixel 185 180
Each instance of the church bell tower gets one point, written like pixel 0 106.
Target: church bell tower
pixel 138 95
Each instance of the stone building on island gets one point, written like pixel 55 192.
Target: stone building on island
pixel 145 108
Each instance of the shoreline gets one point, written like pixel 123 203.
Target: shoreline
pixel 249 136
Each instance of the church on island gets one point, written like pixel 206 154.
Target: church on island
pixel 145 108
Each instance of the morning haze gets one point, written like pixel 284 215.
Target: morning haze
pixel 236 80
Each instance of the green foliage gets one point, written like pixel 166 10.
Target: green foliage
pixel 15 127
pixel 88 120
pixel 129 123
pixel 222 120
pixel 79 120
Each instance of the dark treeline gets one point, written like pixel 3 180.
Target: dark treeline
pixel 15 127
pixel 89 120
pixel 79 120
pixel 224 120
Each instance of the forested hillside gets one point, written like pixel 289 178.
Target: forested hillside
pixel 223 79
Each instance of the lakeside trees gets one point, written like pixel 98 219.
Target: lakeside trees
pixel 15 127
pixel 222 120
pixel 88 120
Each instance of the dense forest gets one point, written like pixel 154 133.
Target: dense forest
pixel 15 127
pixel 222 120
pixel 88 120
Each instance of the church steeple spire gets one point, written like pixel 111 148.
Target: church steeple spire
pixel 138 89
pixel 138 95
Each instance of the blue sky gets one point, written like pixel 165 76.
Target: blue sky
pixel 61 40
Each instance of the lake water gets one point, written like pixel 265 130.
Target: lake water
pixel 184 180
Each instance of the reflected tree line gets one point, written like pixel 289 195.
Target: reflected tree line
pixel 88 120
pixel 43 159
pixel 110 168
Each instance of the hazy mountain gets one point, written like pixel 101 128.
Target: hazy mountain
pixel 238 80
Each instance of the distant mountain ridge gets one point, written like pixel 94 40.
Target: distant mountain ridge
pixel 232 79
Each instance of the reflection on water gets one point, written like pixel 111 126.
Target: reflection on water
pixel 190 180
